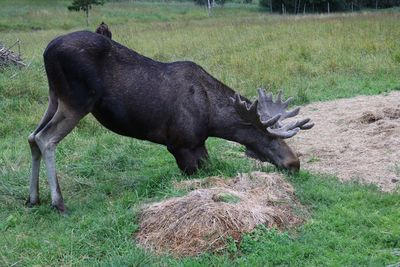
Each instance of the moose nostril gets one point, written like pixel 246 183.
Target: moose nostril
pixel 292 165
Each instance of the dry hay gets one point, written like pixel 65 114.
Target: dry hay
pixel 216 209
pixel 354 139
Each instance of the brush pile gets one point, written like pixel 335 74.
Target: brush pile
pixel 216 209
pixel 8 57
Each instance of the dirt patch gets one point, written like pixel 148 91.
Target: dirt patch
pixel 357 138
pixel 216 209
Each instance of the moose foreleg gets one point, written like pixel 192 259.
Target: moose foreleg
pixel 189 160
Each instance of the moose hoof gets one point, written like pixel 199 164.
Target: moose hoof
pixel 60 208
pixel 190 171
pixel 31 204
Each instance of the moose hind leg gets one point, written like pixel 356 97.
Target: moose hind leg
pixel 33 198
pixel 47 139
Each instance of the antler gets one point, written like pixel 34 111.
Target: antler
pixel 268 114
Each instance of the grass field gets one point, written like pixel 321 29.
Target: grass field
pixel 105 177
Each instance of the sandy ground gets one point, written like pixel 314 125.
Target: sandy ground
pixel 357 138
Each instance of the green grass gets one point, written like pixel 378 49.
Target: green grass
pixel 106 177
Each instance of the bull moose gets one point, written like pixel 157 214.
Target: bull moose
pixel 176 104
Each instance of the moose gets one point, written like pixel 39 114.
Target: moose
pixel 176 104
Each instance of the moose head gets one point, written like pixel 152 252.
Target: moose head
pixel 268 116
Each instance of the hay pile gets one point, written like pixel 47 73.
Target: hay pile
pixel 217 208
pixel 354 139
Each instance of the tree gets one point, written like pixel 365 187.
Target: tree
pixel 84 5
pixel 322 6
pixel 210 4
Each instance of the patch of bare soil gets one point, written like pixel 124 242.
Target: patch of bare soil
pixel 216 209
pixel 357 138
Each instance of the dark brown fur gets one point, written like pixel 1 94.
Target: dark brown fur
pixel 176 104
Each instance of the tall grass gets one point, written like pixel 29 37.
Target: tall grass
pixel 105 177
pixel 313 57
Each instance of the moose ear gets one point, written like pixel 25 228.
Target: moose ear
pixel 104 30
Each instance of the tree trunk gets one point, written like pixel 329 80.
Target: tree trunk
pixel 271 5
pixel 304 9
pixel 87 17
pixel 376 4
pixel 329 9
pixel 352 7
pixel 298 7
pixel 209 7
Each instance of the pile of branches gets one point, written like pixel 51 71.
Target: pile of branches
pixel 8 57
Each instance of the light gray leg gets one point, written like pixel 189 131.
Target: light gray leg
pixel 34 181
pixel 55 191
pixel 47 139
